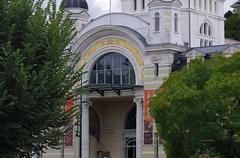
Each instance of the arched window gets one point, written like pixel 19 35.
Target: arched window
pixel 157 22
pixel 176 22
pixel 206 29
pixel 112 69
pixel 206 32
pixel 135 4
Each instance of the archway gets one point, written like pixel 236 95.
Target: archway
pixel 130 134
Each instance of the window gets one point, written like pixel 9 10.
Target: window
pixel 200 4
pixel 175 22
pixel 201 29
pixel 205 28
pixel 157 22
pixel 195 3
pixel 210 43
pixel 143 4
pixel 206 31
pixel 215 6
pixel 206 43
pixel 156 70
pixel 112 69
pixel 209 31
pixel 205 4
pixel 201 42
pixel 210 5
pixel 135 4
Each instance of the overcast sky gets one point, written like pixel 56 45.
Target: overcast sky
pixel 99 7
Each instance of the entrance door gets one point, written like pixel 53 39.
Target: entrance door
pixel 130 135
pixel 130 143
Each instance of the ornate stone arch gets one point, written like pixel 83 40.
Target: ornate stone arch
pixel 104 39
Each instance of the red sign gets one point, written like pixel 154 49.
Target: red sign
pixel 68 136
pixel 148 119
pixel 147 96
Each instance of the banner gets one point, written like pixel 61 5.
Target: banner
pixel 148 119
pixel 68 136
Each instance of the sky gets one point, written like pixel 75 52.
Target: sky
pixel 99 7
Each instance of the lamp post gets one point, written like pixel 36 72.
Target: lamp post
pixel 79 130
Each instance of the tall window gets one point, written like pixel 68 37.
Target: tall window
pixel 156 69
pixel 135 4
pixel 210 5
pixel 215 6
pixel 157 22
pixel 176 22
pixel 200 4
pixel 201 42
pixel 206 43
pixel 195 3
pixel 205 28
pixel 205 4
pixel 112 69
pixel 201 29
pixel 143 4
pixel 209 30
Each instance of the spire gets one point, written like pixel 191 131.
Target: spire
pixel 75 4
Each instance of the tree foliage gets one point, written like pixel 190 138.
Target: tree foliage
pixel 232 25
pixel 35 77
pixel 197 109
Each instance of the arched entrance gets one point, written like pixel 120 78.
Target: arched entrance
pixel 130 134
pixel 112 83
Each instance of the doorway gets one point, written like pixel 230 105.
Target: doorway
pixel 130 134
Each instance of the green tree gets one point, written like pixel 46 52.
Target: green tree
pixel 228 14
pixel 197 109
pixel 232 25
pixel 35 77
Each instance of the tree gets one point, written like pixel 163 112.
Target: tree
pixel 228 14
pixel 232 25
pixel 35 76
pixel 197 109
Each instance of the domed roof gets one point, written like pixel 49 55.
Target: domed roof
pixel 75 4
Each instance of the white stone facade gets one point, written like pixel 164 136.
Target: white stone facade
pixel 151 35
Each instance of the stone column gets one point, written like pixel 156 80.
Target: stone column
pixel 85 129
pixel 139 123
